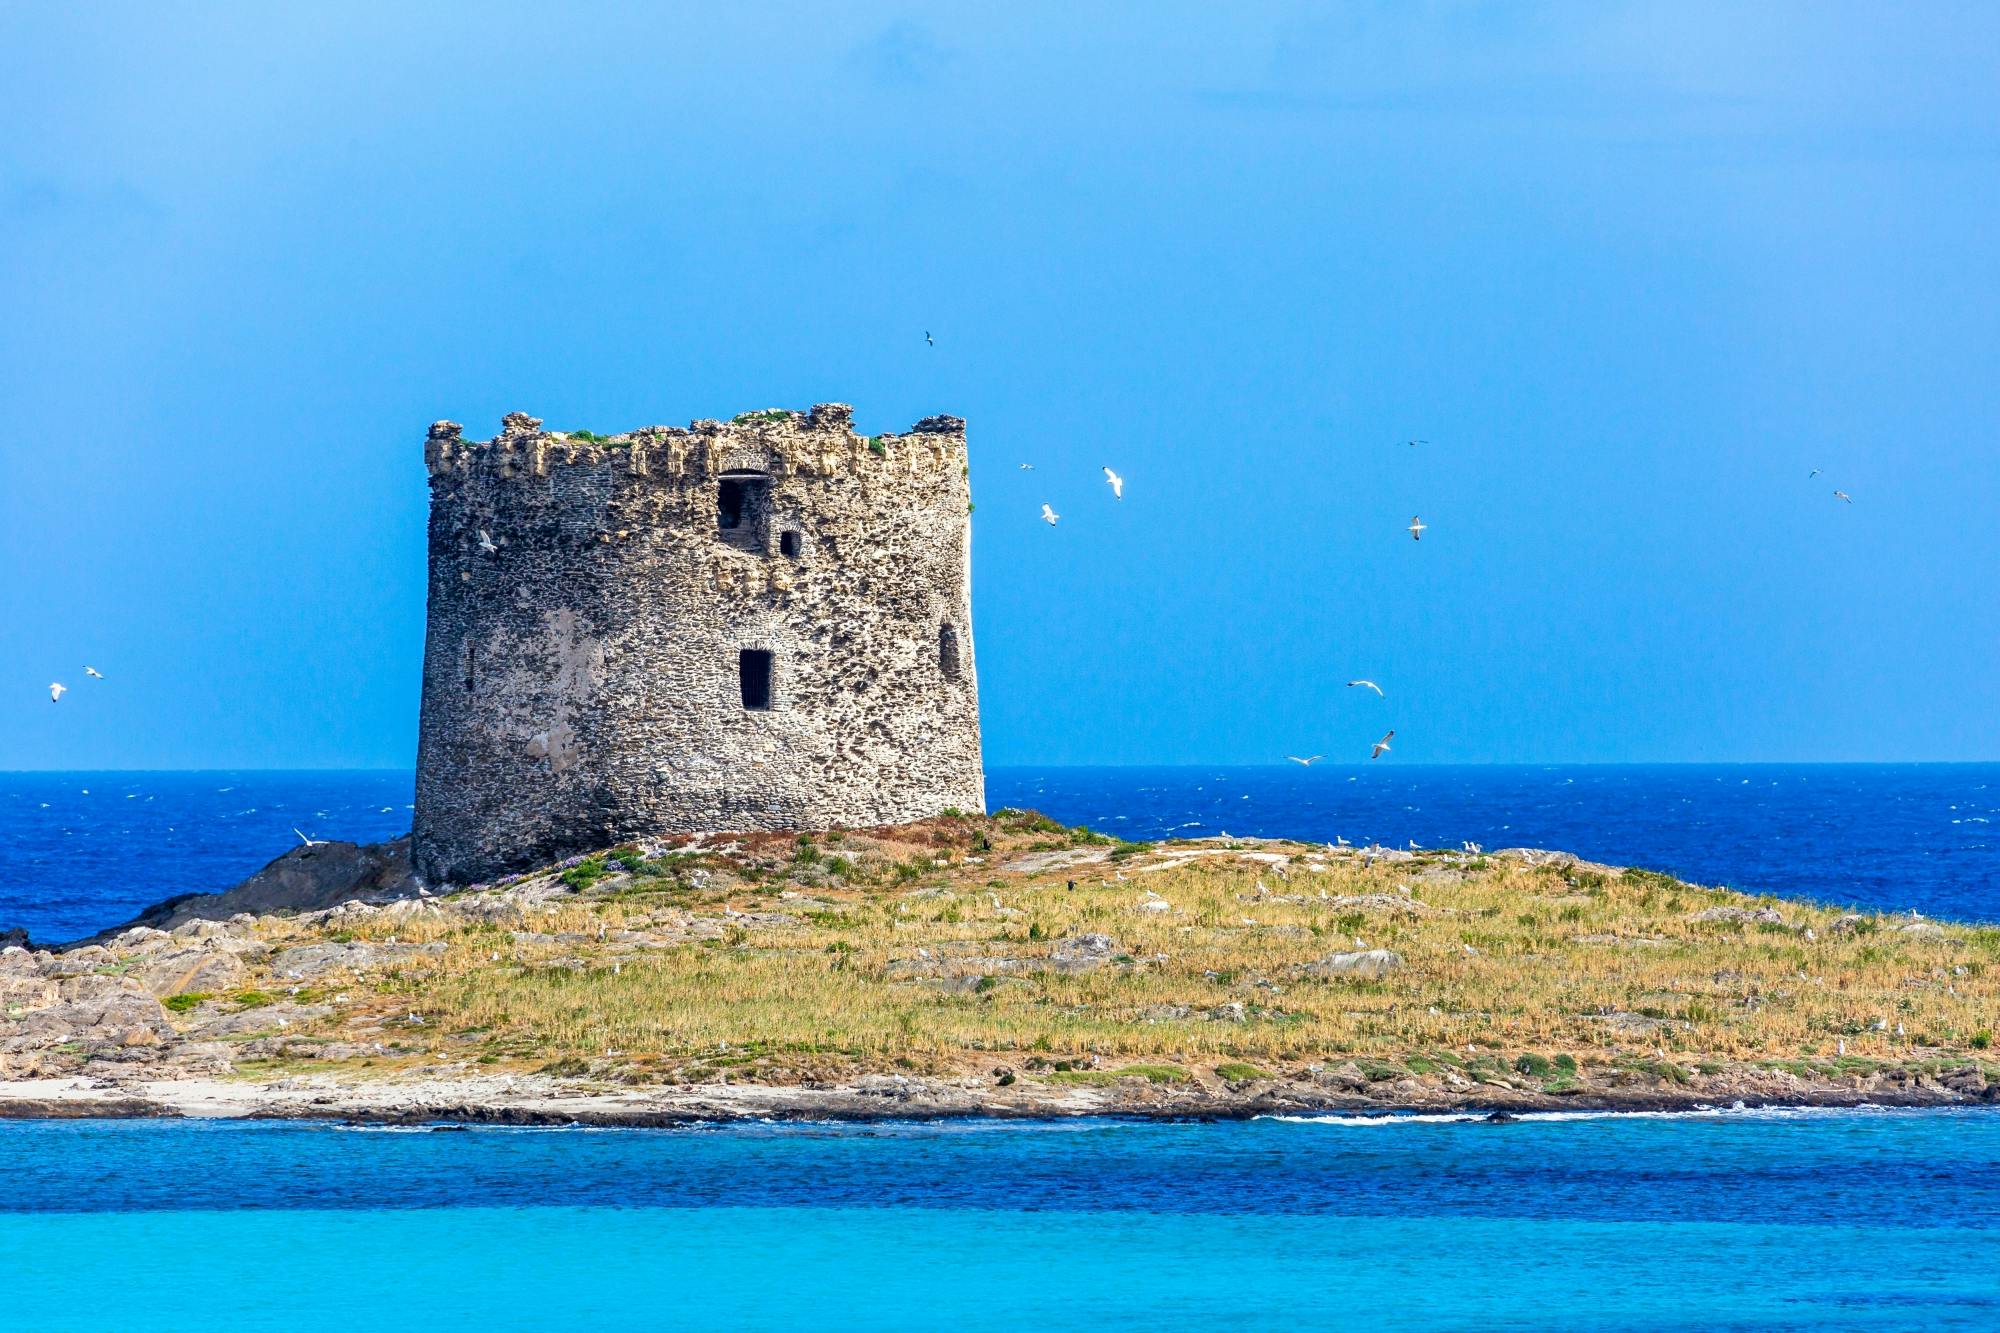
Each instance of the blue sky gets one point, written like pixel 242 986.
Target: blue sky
pixel 1631 271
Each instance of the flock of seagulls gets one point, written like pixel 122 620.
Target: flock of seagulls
pixel 57 689
pixel 1111 479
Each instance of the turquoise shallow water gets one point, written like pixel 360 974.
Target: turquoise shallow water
pixel 1872 1220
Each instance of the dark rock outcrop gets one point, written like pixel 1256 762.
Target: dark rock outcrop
pixel 305 879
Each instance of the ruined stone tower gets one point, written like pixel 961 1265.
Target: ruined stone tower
pixel 760 625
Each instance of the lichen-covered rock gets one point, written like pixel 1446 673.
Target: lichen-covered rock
pixel 1364 963
pixel 1760 916
pixel 48 1022
pixel 310 962
pixel 1080 953
pixel 182 970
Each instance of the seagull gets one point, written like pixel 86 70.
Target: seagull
pixel 486 542
pixel 1117 484
pixel 1843 495
pixel 1368 684
pixel 1027 467
pixel 1416 528
pixel 1049 516
pixel 1415 443
pixel 310 842
pixel 927 339
pixel 1810 475
pixel 1381 746
pixel 93 673
pixel 1306 762
pixel 1341 842
pixel 56 689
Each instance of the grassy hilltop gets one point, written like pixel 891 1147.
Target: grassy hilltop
pixel 1015 951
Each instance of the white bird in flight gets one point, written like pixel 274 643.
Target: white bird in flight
pixel 1049 516
pixel 1116 482
pixel 1416 528
pixel 1381 746
pixel 1810 475
pixel 1368 684
pixel 1027 467
pixel 1843 495
pixel 1306 762
pixel 486 542
pixel 310 842
pixel 927 339
pixel 1415 443
pixel 56 690
pixel 93 673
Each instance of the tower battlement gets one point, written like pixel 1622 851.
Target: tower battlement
pixel 756 624
pixel 816 443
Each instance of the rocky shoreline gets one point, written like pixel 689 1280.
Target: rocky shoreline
pixel 439 1098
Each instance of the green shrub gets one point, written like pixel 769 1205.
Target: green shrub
pixel 1535 1066
pixel 1237 1072
pixel 1981 1040
pixel 186 1000
pixel 1155 1073
pixel 585 873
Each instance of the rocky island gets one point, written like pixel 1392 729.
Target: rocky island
pixel 997 966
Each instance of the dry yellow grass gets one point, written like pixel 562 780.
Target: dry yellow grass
pixel 922 948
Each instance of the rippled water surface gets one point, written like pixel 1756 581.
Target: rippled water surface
pixel 1826 1220
pixel 81 851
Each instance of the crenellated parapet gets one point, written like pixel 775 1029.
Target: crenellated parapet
pixel 822 443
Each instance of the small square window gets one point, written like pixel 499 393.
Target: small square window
pixel 790 544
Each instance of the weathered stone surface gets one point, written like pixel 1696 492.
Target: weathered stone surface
pixel 1080 953
pixel 1367 963
pixel 47 1021
pixel 183 970
pixel 583 670
pixel 1740 915
pixel 309 962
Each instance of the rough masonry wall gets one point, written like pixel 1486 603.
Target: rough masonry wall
pixel 581 678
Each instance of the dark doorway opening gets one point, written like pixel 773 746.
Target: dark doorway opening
pixel 753 675
pixel 789 544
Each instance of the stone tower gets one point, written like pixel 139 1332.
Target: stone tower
pixel 765 624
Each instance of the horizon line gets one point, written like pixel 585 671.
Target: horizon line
pixel 1341 765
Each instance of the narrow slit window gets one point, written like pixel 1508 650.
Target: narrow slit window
pixel 789 544
pixel 468 666
pixel 948 650
pixel 753 675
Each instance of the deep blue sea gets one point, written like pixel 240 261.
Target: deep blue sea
pixel 1743 1221
pixel 81 851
